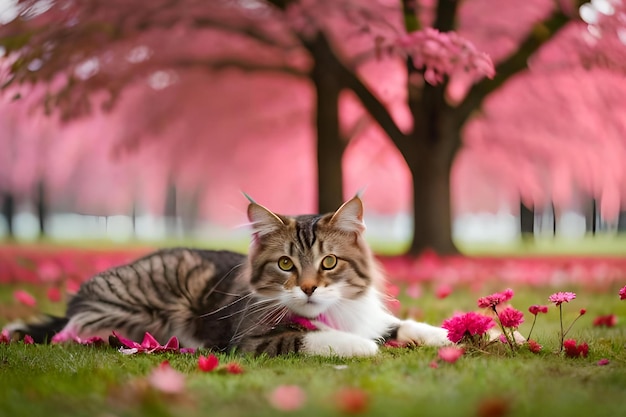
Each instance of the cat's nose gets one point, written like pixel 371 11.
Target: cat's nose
pixel 308 289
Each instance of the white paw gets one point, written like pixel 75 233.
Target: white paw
pixel 337 343
pixel 422 334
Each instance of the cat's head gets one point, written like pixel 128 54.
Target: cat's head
pixel 310 263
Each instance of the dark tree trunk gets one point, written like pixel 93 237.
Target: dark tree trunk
pixel 8 211
pixel 429 153
pixel 330 145
pixel 527 220
pixel 171 210
pixel 42 208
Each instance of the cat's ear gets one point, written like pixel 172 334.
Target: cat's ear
pixel 349 217
pixel 263 220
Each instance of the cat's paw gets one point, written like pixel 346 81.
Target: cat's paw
pixel 337 343
pixel 422 334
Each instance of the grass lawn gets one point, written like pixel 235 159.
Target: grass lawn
pixel 71 380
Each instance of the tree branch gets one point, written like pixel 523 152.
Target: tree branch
pixel 247 66
pixel 518 61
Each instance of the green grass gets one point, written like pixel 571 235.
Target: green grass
pixel 83 381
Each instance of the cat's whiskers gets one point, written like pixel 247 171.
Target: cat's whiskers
pixel 238 300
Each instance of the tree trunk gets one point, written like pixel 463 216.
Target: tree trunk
pixel 330 145
pixel 42 208
pixel 432 220
pixel 429 153
pixel 8 211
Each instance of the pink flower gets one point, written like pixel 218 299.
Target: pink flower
pixel 510 317
pixel 450 354
pixel 467 324
pixel 287 398
pixel 28 340
pixel 49 271
pixel 208 363
pixel 414 291
pixel 352 400
pixel 561 297
pixel 603 362
pixel 583 311
pixel 533 346
pixel 25 298
pixel 148 345
pixel 622 293
pixel 535 309
pixel 608 320
pixel 234 368
pixel 493 300
pixel 434 364
pixel 166 379
pixel 5 338
pixel 572 350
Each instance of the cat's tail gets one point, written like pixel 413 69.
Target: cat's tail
pixel 41 330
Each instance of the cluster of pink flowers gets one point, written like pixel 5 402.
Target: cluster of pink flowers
pixel 471 328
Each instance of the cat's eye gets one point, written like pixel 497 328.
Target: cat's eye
pixel 329 262
pixel 285 263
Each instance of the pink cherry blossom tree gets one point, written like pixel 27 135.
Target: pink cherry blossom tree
pixel 332 51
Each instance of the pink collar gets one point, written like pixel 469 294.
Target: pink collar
pixel 307 323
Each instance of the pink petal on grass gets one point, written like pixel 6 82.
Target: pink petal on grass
pixel 234 368
pixel 287 398
pixel 208 363
pixel 25 298
pixel 166 379
pixel 450 354
pixel 352 400
pixel 54 294
pixel 603 362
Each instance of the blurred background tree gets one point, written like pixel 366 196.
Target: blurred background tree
pixel 183 86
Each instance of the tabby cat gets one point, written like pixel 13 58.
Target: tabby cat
pixel 309 284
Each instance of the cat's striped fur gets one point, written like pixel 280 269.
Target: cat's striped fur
pixel 317 267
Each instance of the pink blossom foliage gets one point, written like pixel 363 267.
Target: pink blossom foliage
pixel 510 317
pixel 467 324
pixel 562 297
pixel 444 54
pixel 287 398
pixel 495 299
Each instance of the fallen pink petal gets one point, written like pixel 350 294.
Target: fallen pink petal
pixel 166 379
pixel 287 398
pixel 25 298
pixel 208 363
pixel 450 354
pixel 603 362
pixel 233 368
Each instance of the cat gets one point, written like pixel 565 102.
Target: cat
pixel 309 284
